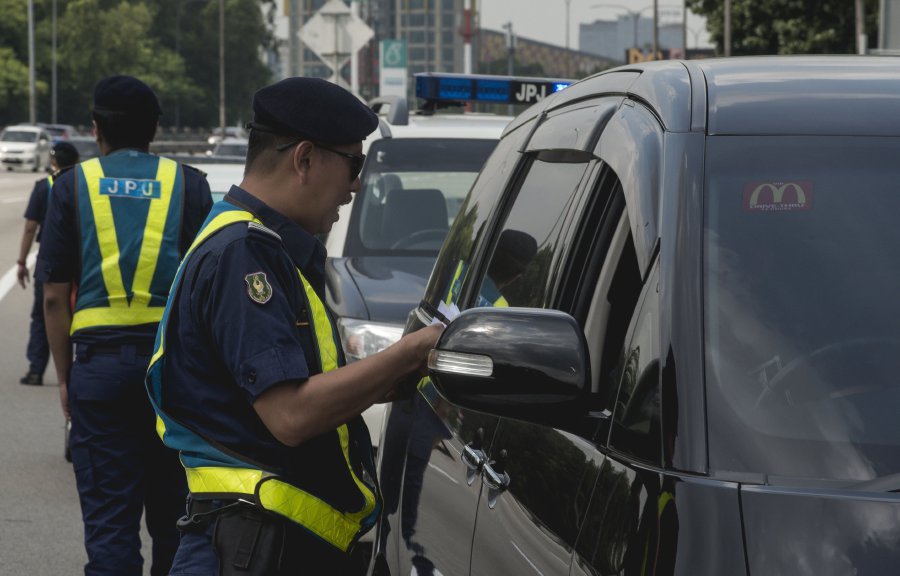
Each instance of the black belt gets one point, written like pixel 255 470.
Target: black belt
pixel 201 512
pixel 139 349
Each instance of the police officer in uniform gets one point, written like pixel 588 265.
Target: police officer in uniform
pixel 62 157
pixel 248 377
pixel 117 226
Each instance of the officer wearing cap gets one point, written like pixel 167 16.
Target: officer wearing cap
pixel 116 228
pixel 248 376
pixel 62 157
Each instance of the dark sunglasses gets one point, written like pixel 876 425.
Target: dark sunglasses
pixel 356 160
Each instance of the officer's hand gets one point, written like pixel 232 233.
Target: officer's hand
pixel 22 274
pixel 421 342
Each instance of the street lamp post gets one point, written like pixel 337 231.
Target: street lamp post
pixel 222 66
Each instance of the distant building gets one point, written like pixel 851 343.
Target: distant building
pixel 613 38
pixel 534 58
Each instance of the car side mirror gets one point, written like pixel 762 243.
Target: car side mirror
pixel 523 363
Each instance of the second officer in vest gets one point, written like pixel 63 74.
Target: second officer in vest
pixel 116 228
pixel 248 376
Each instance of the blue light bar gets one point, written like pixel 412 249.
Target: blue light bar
pixel 483 88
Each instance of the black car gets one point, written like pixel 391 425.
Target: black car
pixel 680 335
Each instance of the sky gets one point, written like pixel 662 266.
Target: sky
pixel 545 20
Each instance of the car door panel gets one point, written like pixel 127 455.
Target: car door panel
pixel 531 527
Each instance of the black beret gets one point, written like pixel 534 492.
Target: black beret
pixel 65 154
pixel 312 108
pixel 125 95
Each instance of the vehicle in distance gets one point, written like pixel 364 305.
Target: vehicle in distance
pixel 25 146
pixel 216 135
pixel 679 345
pixel 61 131
pixel 86 146
pixel 232 148
pixel 419 167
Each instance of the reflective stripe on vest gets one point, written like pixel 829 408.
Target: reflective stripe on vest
pixel 341 529
pixel 124 307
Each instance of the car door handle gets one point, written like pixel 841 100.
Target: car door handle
pixel 473 458
pixel 494 479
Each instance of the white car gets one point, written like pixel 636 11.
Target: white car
pixel 419 167
pixel 25 147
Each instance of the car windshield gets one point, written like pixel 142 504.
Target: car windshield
pixel 18 136
pixel 802 316
pixel 411 191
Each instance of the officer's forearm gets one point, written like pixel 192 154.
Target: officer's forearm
pixel 58 320
pixel 296 412
pixel 27 239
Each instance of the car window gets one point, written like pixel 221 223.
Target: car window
pixel 801 246
pixel 530 243
pixel 636 411
pixel 18 136
pixel 457 252
pixel 412 189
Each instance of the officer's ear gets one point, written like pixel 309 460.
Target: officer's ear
pixel 301 158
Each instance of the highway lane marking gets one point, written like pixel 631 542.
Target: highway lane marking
pixel 9 279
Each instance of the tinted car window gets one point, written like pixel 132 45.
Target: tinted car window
pixel 636 420
pixel 801 280
pixel 411 192
pixel 472 216
pixel 529 244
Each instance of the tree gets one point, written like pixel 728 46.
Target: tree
pixel 787 26
pixel 95 42
pixel 247 36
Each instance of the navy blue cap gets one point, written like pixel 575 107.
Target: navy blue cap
pixel 125 95
pixel 314 109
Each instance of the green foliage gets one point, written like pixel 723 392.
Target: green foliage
pixel 13 86
pixel 788 26
pixel 172 45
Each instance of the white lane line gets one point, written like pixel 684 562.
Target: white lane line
pixel 13 199
pixel 9 279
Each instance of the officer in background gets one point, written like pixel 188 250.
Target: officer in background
pixel 248 377
pixel 62 157
pixel 117 227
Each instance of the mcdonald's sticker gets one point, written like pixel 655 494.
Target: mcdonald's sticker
pixel 778 196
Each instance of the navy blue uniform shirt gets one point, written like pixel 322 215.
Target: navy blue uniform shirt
pixel 224 349
pixel 37 204
pixel 59 259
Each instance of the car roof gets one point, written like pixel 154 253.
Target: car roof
pixel 756 95
pixel 24 128
pixel 442 126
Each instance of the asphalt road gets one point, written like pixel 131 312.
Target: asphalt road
pixel 40 518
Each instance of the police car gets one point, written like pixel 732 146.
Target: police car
pixel 419 168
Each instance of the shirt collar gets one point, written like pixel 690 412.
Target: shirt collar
pixel 304 249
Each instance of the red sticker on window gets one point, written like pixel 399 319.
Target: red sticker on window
pixel 778 196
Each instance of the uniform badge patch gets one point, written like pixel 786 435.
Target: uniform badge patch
pixel 258 288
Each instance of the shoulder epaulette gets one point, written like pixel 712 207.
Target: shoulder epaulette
pixel 195 169
pixel 256 227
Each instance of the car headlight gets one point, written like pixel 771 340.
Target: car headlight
pixel 362 338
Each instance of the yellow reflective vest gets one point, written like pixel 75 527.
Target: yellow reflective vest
pixel 129 229
pixel 213 473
